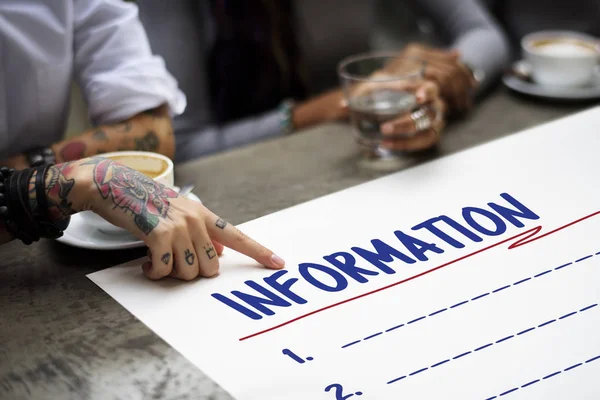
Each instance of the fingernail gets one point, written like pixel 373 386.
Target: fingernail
pixel 387 128
pixel 146 267
pixel 278 261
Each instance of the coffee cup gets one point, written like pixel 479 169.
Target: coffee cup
pixel 561 58
pixel 153 165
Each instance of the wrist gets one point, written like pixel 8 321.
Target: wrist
pixel 328 107
pixel 286 116
pixel 66 190
pixel 55 148
pixel 25 209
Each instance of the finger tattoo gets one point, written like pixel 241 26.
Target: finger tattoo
pixel 210 251
pixel 166 258
pixel 189 257
pixel 221 223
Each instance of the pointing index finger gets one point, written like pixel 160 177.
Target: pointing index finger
pixel 232 237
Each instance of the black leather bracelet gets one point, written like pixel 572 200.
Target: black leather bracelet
pixel 50 229
pixel 23 222
pixel 19 220
pixel 27 215
pixel 40 186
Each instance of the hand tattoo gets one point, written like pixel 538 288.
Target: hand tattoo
pixel 221 223
pixel 166 258
pixel 210 251
pixel 132 192
pixel 100 136
pixel 189 257
pixel 58 189
pixel 73 151
pixel 149 142
pixel 125 127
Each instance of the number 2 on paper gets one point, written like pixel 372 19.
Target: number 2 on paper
pixel 339 392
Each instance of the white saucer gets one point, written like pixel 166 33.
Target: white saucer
pixel 549 92
pixel 80 234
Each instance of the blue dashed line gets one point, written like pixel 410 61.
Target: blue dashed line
pixel 418 372
pixel 440 363
pixel 461 355
pixel 551 375
pixel 393 328
pixel 521 281
pixel 546 323
pixel 396 380
pixel 438 312
pixel 592 359
pixel 548 376
pixel 509 391
pixel 529 330
pixel 502 288
pixel 498 342
pixel 480 297
pixel 460 304
pixel 542 274
pixel 372 336
pixel 573 367
pixel 530 383
pixel 568 315
pixel 350 344
pixel 562 266
pixel 415 320
pixel 505 339
pixel 491 398
pixel 588 307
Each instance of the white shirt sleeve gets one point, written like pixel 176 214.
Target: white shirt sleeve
pixel 473 31
pixel 114 65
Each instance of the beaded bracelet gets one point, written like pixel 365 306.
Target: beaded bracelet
pixel 21 221
pixel 286 123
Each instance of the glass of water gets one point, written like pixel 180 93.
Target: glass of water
pixel 376 95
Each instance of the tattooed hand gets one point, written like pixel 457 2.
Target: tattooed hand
pixel 183 236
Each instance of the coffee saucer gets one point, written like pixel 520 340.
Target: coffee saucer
pixel 516 82
pixel 80 234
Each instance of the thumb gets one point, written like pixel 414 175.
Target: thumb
pixel 218 247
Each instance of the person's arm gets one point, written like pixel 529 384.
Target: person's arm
pixel 148 131
pixel 184 237
pixel 472 31
pixel 129 93
pixel 211 139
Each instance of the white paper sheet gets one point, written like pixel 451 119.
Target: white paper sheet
pixel 480 321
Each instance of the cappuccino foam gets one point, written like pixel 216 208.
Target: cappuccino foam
pixel 566 49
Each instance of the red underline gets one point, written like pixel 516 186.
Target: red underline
pixel 527 239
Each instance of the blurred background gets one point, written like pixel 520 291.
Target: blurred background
pixel 395 25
